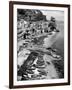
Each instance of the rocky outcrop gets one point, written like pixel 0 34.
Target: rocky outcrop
pixel 30 15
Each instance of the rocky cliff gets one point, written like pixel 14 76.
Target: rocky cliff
pixel 30 15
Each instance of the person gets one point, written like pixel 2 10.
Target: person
pixel 52 24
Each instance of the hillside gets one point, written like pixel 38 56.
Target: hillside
pixel 31 15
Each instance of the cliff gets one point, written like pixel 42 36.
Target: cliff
pixel 30 15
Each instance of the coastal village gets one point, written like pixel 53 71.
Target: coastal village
pixel 34 59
